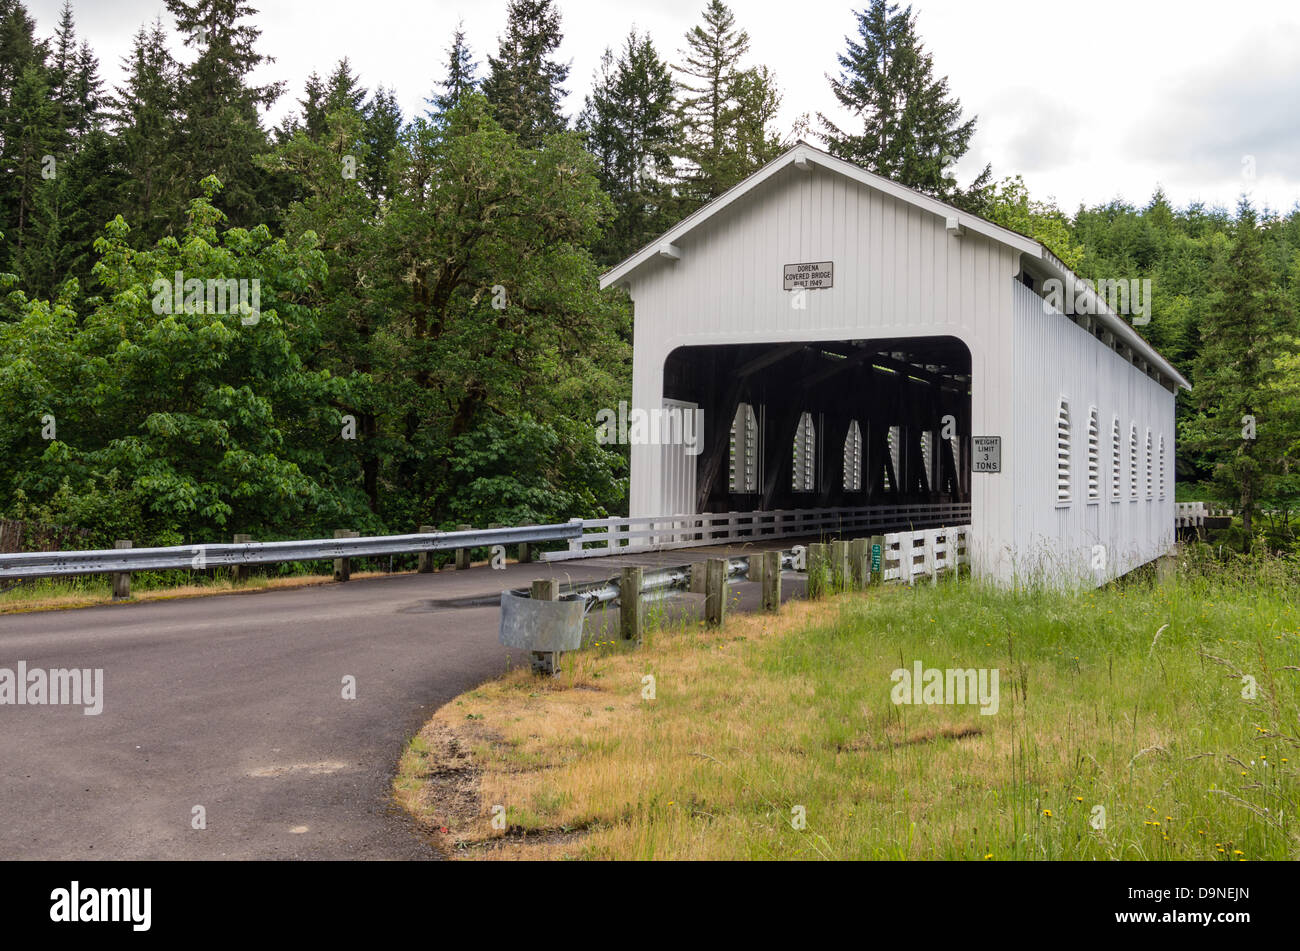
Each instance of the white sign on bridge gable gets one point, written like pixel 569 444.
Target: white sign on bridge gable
pixel 816 275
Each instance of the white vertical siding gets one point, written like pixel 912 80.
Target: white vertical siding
pixel 898 272
pixel 1055 358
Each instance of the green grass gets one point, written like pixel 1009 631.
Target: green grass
pixel 1128 700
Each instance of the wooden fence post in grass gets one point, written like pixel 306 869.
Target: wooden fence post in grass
pixel 860 561
pixel 426 557
pixel 771 561
pixel 122 579
pixel 840 565
pixel 462 554
pixel 876 556
pixel 343 566
pixel 545 589
pixel 715 591
pixel 697 577
pixel 631 609
pixel 239 573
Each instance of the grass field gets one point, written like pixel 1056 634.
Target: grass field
pixel 1125 730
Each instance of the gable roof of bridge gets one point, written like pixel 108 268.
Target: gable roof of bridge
pixel 803 156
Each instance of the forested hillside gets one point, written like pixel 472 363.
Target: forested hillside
pixel 356 317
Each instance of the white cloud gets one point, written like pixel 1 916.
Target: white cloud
pixel 1088 102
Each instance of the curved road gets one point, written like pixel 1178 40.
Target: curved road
pixel 235 703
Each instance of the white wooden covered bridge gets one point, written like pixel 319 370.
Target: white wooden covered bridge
pixel 858 346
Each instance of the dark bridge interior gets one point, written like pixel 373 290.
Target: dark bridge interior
pixel 828 424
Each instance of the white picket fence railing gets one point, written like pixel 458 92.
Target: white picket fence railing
pixel 613 536
pixel 926 553
pixel 1194 514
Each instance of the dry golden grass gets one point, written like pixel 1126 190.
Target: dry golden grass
pixel 767 722
pixel 560 754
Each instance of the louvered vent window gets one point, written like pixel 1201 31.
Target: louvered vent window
pixel 1150 486
pixel 744 450
pixel 1116 461
pixel 1094 456
pixel 805 455
pixel 853 458
pixel 1063 453
pixel 927 458
pixel 1162 468
pixel 1133 461
pixel 894 439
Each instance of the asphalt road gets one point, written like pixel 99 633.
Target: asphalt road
pixel 236 704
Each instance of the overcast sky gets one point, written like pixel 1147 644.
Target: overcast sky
pixel 1088 102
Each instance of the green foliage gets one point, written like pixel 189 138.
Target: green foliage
pixel 1010 206
pixel 724 110
pixel 912 126
pixel 1248 325
pixel 525 82
pixel 182 419
pixel 628 127
pixel 459 80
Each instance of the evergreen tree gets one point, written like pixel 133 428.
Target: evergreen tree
pixel 460 80
pixel 88 94
pixel 143 118
pixel 757 100
pixel 344 89
pixel 63 66
pixel 627 122
pixel 1244 331
pixel 911 126
pixel 724 110
pixel 382 133
pixel 219 131
pixel 313 107
pixel 31 136
pixel 524 82
pixel 20 52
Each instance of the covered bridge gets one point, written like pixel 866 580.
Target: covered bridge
pixel 853 343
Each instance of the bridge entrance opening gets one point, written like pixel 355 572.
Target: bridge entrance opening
pixel 825 424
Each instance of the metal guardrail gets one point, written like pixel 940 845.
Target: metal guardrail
pixel 52 564
pixel 900 557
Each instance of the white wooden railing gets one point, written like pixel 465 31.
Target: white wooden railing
pixel 926 553
pixel 1194 514
pixel 612 536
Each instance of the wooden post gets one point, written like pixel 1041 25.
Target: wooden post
pixel 343 566
pixel 545 589
pixel 239 573
pixel 876 559
pixel 860 561
pixel 525 553
pixel 631 609
pixel 715 591
pixel 755 573
pixel 122 579
pixel 840 579
pixel 771 581
pixel 426 557
pixel 462 554
pixel 697 577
